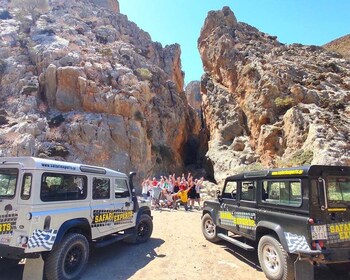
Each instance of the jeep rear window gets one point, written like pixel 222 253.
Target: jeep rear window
pixel 338 189
pixel 61 187
pixel 282 192
pixel 8 182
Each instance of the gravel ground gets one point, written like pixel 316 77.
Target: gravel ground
pixel 176 251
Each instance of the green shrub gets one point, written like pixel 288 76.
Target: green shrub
pixel 284 102
pixel 301 157
pixel 144 74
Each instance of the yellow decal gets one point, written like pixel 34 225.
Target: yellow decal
pixel 238 219
pixel 226 216
pixel 244 222
pixel 342 229
pixel 336 209
pixel 4 228
pixel 287 172
pixel 112 217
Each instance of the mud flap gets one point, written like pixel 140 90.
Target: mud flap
pixel 33 269
pixel 303 270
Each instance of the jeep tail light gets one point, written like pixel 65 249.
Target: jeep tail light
pixel 311 221
pixel 317 245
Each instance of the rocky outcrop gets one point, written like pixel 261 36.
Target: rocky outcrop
pixel 193 94
pixel 84 84
pixel 269 104
pixel 340 45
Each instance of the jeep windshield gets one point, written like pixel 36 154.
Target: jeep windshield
pixel 339 191
pixel 8 182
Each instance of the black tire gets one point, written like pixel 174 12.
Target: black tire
pixel 276 263
pixel 210 230
pixel 68 260
pixel 142 231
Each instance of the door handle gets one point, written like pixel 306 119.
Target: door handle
pixel 127 204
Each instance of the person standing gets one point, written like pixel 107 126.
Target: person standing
pixel 145 188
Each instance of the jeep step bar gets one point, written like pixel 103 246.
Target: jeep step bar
pixel 110 240
pixel 236 242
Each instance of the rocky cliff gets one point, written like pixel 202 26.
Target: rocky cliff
pixel 269 104
pixel 80 82
pixel 340 45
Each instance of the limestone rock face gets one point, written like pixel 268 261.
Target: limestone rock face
pixel 84 80
pixel 112 5
pixel 193 94
pixel 268 104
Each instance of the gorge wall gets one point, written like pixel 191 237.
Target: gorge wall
pixel 80 82
pixel 268 104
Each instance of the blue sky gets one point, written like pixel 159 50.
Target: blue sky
pixel 310 22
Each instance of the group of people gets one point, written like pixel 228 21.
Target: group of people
pixel 172 191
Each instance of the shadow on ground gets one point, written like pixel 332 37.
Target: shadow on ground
pixel 116 261
pixel 322 272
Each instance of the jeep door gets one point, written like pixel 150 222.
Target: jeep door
pixel 102 206
pixel 228 206
pixel 123 204
pixel 245 215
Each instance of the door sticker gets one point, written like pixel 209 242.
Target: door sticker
pixel 109 217
pixel 242 219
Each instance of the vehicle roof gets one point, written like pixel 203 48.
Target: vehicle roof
pixel 292 172
pixel 55 165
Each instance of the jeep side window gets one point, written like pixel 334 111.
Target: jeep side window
pixel 101 188
pixel 230 190
pixel 121 188
pixel 248 190
pixel 61 187
pixel 282 192
pixel 26 186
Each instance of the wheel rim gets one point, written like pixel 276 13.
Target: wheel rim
pixel 271 259
pixel 73 260
pixel 209 227
pixel 143 229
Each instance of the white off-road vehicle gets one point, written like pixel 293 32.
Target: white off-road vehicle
pixel 53 211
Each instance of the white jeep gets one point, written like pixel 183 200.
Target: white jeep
pixel 53 211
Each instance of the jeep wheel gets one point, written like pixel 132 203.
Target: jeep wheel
pixel 274 260
pixel 142 231
pixel 209 229
pixel 69 259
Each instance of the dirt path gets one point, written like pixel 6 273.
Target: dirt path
pixel 176 251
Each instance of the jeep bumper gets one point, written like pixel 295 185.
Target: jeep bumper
pixel 15 253
pixel 325 256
